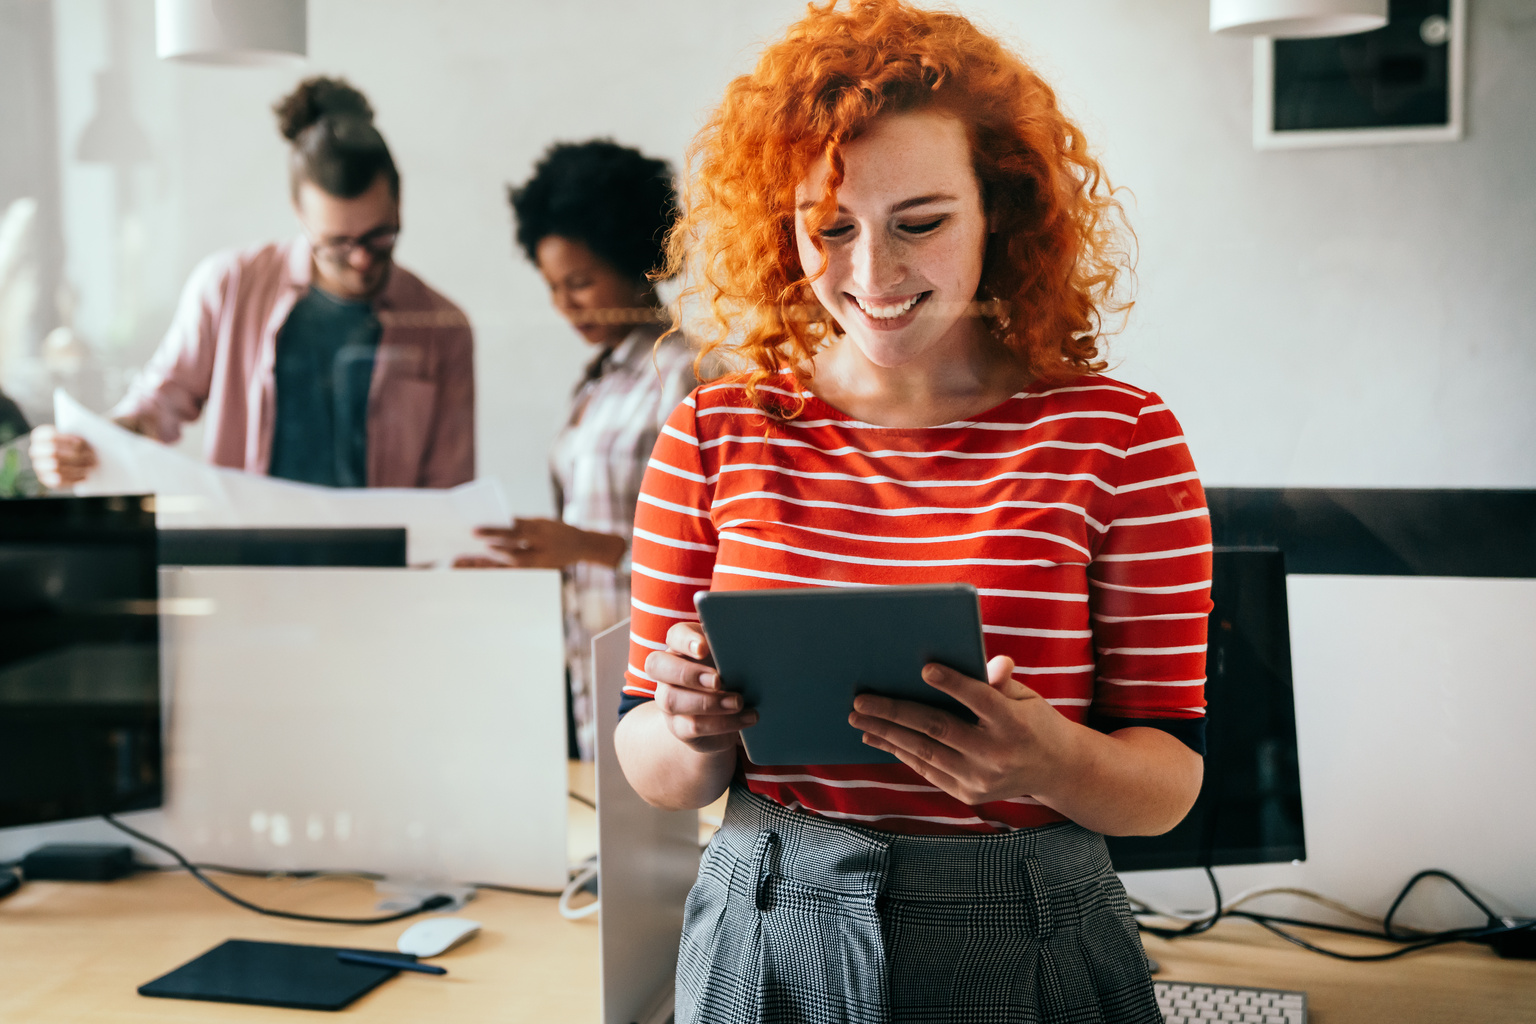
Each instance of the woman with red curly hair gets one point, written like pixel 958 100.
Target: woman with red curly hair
pixel 908 246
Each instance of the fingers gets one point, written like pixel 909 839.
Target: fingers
pixel 688 638
pixel 871 709
pixel 704 720
pixel 509 540
pixel 948 783
pixel 917 744
pixel 673 669
pixel 1000 675
pixel 681 700
pixel 981 699
pixel 60 460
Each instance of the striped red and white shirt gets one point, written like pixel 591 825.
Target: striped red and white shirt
pixel 1073 509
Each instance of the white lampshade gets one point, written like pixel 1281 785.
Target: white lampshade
pixel 246 32
pixel 1297 19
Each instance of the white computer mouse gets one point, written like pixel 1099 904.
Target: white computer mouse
pixel 436 935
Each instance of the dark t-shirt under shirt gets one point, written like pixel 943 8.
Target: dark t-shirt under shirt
pixel 325 356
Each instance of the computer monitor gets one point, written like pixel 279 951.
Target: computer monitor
pixel 1249 808
pixel 80 721
pixel 331 547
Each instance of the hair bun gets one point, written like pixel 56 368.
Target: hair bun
pixel 316 98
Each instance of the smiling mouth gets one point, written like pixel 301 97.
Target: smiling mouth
pixel 891 311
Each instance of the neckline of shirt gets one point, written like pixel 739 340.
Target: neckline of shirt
pixel 827 410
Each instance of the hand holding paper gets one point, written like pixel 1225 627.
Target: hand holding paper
pixel 439 524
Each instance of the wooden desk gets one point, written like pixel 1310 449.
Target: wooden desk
pixel 76 952
pixel 1454 984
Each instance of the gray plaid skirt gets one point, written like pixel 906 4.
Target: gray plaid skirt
pixel 798 919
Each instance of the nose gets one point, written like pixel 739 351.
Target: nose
pixel 878 266
pixel 362 258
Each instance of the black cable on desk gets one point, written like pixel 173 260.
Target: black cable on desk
pixel 1386 924
pixel 1410 942
pixel 1409 945
pixel 305 875
pixel 1204 924
pixel 430 903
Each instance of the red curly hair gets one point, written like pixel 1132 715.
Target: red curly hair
pixel 1057 251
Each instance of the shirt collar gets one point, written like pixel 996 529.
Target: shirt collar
pixel 635 348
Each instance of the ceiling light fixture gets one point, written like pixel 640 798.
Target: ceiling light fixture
pixel 1297 19
pixel 231 32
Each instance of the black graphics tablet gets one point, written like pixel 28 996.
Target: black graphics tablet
pixel 274 974
pixel 799 657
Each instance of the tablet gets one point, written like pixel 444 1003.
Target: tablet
pixel 799 656
pixel 274 974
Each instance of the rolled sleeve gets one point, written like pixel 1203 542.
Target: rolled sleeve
pixel 174 385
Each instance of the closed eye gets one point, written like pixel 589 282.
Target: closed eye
pixel 839 232
pixel 923 229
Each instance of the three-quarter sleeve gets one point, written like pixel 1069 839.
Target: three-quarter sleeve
pixel 1149 587
pixel 673 553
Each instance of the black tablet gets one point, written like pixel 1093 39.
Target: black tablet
pixel 274 974
pixel 799 656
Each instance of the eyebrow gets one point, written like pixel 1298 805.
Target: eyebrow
pixel 905 204
pixel 377 229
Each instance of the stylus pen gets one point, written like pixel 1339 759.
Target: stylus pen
pixel 346 956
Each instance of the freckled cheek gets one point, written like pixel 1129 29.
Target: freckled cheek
pixel 829 286
pixel 955 266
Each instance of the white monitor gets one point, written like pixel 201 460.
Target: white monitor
pixel 647 861
pixel 407 722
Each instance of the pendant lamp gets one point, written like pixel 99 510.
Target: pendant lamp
pixel 1297 19
pixel 238 32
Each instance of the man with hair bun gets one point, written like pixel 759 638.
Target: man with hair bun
pixel 317 359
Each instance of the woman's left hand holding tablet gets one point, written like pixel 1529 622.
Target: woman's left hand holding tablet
pixel 1018 746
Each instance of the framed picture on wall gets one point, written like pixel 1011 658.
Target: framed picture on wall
pixel 1404 82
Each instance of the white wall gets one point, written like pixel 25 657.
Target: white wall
pixel 1349 317
pixel 1326 317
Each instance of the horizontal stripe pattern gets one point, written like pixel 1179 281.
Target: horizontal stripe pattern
pixel 1074 510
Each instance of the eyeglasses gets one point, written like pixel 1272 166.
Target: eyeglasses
pixel 378 243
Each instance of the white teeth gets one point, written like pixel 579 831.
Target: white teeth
pixel 887 312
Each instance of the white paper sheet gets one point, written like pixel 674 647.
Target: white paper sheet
pixel 188 493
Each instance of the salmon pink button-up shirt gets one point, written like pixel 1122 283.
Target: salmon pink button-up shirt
pixel 219 355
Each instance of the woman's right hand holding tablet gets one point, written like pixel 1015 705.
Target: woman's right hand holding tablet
pixel 679 750
pixel 688 695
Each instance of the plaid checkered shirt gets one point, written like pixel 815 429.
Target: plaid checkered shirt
pixel 597 463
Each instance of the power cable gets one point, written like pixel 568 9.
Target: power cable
pixel 1408 942
pixel 430 903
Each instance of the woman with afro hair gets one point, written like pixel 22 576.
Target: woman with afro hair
pixel 913 252
pixel 594 219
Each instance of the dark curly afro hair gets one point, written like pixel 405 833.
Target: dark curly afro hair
pixel 615 200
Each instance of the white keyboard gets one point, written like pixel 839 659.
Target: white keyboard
pixel 1188 1002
